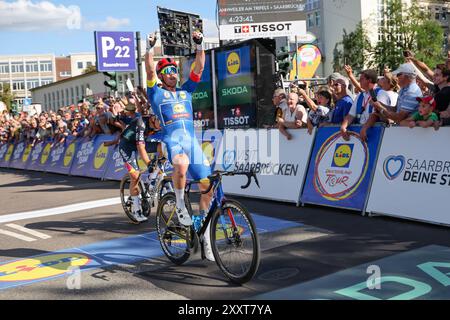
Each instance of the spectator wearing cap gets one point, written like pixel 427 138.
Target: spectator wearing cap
pixel 424 117
pixel 407 103
pixel 362 107
pixel 343 100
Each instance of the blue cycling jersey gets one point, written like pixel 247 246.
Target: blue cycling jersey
pixel 175 113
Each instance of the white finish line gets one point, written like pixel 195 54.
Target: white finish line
pixel 59 210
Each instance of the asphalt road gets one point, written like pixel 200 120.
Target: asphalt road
pixel 307 252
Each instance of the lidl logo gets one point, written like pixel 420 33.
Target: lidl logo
pixel 9 153
pixel 68 156
pixel 41 267
pixel 26 153
pixel 208 151
pixel 343 155
pixel 100 157
pixel 179 108
pixel 183 95
pixel 233 63
pixel 46 153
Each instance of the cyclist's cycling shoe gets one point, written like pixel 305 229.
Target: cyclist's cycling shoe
pixel 139 216
pixel 184 217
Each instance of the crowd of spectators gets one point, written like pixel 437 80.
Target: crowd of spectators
pixel 414 95
pixel 103 116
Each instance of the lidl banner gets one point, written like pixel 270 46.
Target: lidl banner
pixel 22 162
pixel 44 157
pixel 17 155
pixel 280 164
pixel 92 157
pixel 340 171
pixel 81 163
pixel 237 107
pixel 35 156
pixel 412 178
pixel 6 150
pixel 61 156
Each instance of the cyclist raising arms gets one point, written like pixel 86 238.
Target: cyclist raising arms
pixel 173 107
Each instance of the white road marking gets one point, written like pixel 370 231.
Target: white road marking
pixel 59 210
pixel 16 235
pixel 29 231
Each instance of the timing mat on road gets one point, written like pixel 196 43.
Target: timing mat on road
pixel 99 255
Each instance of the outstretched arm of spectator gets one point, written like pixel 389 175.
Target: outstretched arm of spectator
pixel 308 100
pixel 351 76
pixel 422 66
pixel 348 120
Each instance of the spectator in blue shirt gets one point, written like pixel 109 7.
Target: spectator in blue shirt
pixel 344 101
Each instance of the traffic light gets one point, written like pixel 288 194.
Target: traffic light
pixel 112 82
pixel 284 60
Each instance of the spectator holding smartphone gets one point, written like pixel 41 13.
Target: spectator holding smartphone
pixel 318 114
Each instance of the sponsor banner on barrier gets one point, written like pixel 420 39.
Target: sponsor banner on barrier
pixel 340 171
pixel 42 163
pixel 412 179
pixel 35 156
pixel 92 157
pixel 17 155
pixel 22 162
pixel 6 151
pixel 61 156
pixel 116 167
pixel 280 164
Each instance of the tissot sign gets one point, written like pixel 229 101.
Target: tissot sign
pixel 115 51
pixel 261 18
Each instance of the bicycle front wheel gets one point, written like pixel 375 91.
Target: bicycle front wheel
pixel 235 242
pixel 173 237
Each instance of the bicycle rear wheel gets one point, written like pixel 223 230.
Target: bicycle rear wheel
pixel 173 237
pixel 125 198
pixel 235 242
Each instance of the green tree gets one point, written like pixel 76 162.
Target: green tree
pixel 354 49
pixel 6 94
pixel 407 27
pixel 89 69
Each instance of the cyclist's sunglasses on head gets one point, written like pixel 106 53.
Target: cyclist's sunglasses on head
pixel 169 70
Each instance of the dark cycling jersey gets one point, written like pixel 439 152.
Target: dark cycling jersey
pixel 131 137
pixel 175 113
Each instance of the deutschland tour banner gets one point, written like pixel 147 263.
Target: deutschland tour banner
pixel 42 163
pixel 6 151
pixel 22 162
pixel 340 171
pixel 16 158
pixel 35 156
pixel 62 155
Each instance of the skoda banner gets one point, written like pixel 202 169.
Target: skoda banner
pixel 412 179
pixel 340 171
pixel 236 93
pixel 16 158
pixel 202 98
pixel 35 156
pixel 280 164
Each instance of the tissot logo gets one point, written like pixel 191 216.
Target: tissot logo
pixel 259 28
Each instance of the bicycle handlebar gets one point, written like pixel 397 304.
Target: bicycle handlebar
pixel 220 174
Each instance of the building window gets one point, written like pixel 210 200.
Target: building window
pixel 77 90
pixel 32 83
pixel 4 68
pixel 17 67
pixel 88 64
pixel 310 20
pixel 80 65
pixel 46 66
pixel 318 20
pixel 32 66
pixel 82 91
pixel 45 81
pixel 65 74
pixel 18 85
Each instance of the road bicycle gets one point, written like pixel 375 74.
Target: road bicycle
pixel 148 194
pixel 234 238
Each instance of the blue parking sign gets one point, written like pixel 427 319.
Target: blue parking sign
pixel 115 51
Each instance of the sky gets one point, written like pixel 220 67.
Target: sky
pixel 63 27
